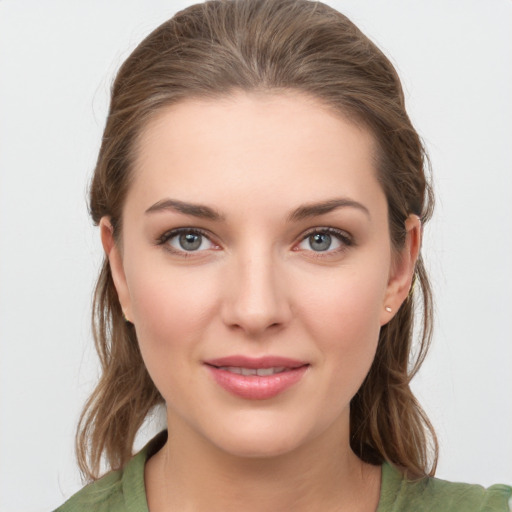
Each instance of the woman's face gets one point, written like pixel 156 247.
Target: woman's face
pixel 256 266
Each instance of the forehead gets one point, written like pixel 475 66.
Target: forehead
pixel 281 146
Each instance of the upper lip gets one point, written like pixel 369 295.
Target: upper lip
pixel 256 362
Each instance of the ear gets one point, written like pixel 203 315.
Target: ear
pixel 113 253
pixel 402 270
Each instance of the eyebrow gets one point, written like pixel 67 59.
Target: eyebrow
pixel 323 207
pixel 301 213
pixel 196 210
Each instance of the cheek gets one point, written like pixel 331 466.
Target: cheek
pixel 171 309
pixel 342 314
pixel 168 304
pixel 349 297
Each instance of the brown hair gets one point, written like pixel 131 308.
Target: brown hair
pixel 211 50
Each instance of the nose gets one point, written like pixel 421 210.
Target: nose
pixel 256 299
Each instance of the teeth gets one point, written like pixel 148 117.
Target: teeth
pixel 270 371
pixel 261 372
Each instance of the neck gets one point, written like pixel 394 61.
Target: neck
pixel 190 474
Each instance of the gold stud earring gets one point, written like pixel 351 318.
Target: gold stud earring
pixel 388 309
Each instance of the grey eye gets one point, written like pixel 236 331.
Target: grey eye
pixel 320 241
pixel 190 241
pixel 324 241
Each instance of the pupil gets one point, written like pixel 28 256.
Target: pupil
pixel 320 241
pixel 190 241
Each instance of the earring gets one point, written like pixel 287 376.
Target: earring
pixel 126 319
pixel 388 309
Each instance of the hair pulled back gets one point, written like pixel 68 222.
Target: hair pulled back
pixel 211 50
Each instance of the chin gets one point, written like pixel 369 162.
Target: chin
pixel 260 437
pixel 258 447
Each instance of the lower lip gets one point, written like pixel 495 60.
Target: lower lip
pixel 254 387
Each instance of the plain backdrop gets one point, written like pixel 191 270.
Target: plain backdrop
pixel 57 60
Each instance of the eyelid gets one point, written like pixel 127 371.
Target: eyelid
pixel 171 233
pixel 345 238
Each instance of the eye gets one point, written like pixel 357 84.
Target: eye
pixel 325 240
pixel 185 240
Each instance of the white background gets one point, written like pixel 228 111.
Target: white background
pixel 57 59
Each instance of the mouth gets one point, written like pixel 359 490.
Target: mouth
pixel 262 372
pixel 256 378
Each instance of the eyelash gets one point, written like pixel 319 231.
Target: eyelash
pixel 168 235
pixel 342 236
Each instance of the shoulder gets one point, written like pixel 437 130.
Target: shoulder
pixel 433 494
pixel 117 491
pixel 102 495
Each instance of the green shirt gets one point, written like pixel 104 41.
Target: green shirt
pixel 124 491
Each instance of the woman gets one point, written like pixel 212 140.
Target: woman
pixel 260 193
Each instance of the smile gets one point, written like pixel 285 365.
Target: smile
pixel 262 372
pixel 256 379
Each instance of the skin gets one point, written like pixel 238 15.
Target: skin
pixel 257 287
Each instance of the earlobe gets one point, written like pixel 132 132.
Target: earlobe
pixel 114 256
pixel 402 274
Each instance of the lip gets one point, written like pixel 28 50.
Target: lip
pixel 256 362
pixel 255 387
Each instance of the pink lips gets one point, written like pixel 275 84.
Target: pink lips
pixel 256 378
